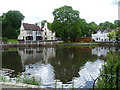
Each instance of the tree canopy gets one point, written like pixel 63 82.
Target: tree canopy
pixel 66 23
pixel 107 25
pixel 11 22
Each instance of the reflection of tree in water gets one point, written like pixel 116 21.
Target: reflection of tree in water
pixel 12 60
pixel 68 61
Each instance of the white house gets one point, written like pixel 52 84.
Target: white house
pixel 47 34
pixel 101 36
pixel 34 32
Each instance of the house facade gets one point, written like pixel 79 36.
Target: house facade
pixel 34 32
pixel 101 36
pixel 47 34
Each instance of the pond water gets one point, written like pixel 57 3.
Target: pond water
pixel 58 66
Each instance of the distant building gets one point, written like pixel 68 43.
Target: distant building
pixel 101 36
pixel 35 32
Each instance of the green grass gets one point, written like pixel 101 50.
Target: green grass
pixel 3 38
pixel 76 43
pixel 12 40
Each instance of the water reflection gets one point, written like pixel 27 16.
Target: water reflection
pixel 33 55
pixel 102 51
pixel 87 73
pixel 43 72
pixel 77 65
pixel 12 60
pixel 68 61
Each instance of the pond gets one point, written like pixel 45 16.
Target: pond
pixel 64 65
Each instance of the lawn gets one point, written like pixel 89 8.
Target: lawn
pixel 12 40
pixel 74 43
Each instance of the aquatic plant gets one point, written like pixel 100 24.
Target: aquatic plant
pixel 28 80
pixel 4 78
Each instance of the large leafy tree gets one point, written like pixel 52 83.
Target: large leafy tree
pixel 107 25
pixel 117 22
pixel 118 35
pixel 66 23
pixel 48 24
pixel 114 35
pixel 11 22
pixel 0 26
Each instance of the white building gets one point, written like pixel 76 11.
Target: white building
pixel 47 34
pixel 101 36
pixel 35 32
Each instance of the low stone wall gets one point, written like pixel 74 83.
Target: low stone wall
pixel 10 45
pixel 21 85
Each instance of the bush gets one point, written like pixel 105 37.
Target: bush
pixel 111 71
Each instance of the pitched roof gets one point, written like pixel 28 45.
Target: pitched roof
pixel 106 31
pixel 30 26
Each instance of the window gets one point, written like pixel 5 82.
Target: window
pixel 37 32
pixel 45 38
pixel 45 33
pixel 51 38
pixel 29 32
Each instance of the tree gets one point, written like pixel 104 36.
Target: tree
pixel 43 23
pixel 11 22
pixel 107 25
pixel 0 26
pixel 117 22
pixel 118 35
pixel 91 27
pixel 66 23
pixel 112 35
pixel 48 23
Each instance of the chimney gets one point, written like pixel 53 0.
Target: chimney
pixel 39 24
pixel 46 24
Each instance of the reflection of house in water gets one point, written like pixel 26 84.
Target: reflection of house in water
pixel 102 51
pixel 33 55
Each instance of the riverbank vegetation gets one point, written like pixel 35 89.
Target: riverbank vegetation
pixel 76 43
pixel 110 75
pixel 20 79
pixel 12 41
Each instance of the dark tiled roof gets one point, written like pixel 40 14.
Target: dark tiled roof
pixel 30 26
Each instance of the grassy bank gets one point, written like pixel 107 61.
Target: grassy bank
pixel 78 44
pixel 12 40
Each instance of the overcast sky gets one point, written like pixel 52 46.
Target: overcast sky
pixel 38 10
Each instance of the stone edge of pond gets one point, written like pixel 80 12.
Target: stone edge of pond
pixel 21 85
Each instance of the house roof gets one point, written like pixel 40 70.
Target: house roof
pixel 30 26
